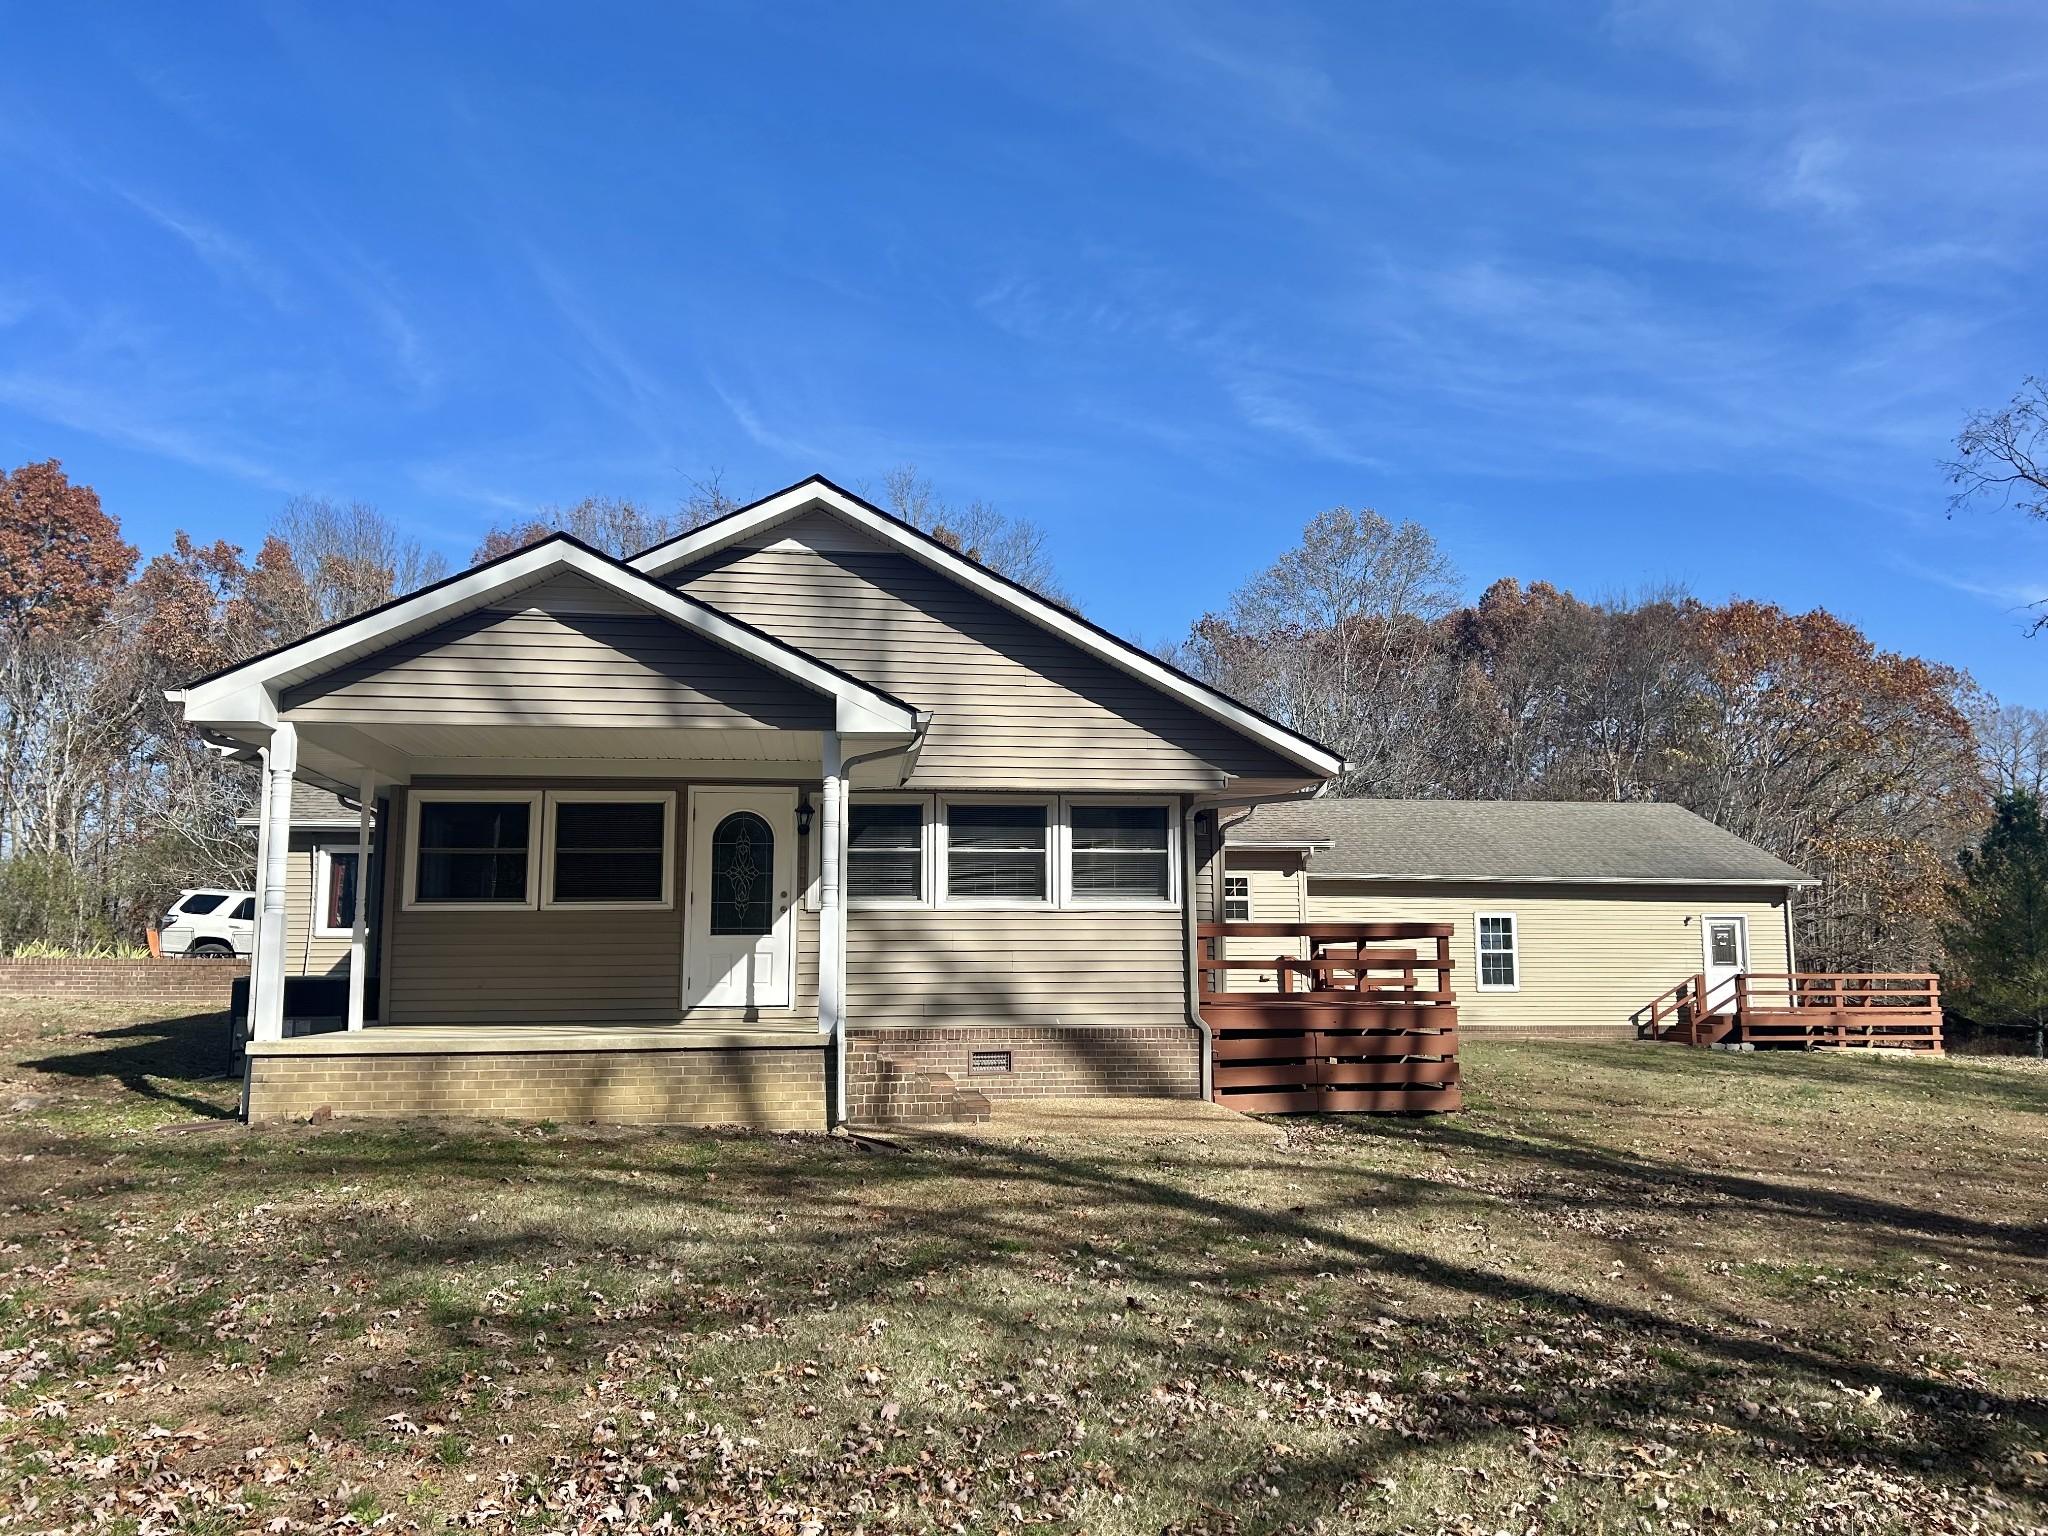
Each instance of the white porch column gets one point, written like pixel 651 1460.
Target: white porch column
pixel 266 979
pixel 359 935
pixel 831 932
pixel 262 856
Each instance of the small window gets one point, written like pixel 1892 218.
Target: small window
pixel 885 853
pixel 245 913
pixel 337 891
pixel 474 851
pixel 1237 898
pixel 1723 945
pixel 609 852
pixel 200 905
pixel 1120 853
pixel 1499 963
pixel 996 852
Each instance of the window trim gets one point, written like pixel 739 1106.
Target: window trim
pixel 323 876
pixel 927 842
pixel 557 797
pixel 1054 860
pixel 536 836
pixel 1514 949
pixel 1091 903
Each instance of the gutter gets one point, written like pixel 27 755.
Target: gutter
pixel 834 1028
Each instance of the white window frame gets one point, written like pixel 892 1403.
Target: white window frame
pixel 927 841
pixel 536 837
pixel 323 877
pixel 1514 949
pixel 942 838
pixel 1092 903
pixel 556 797
pixel 1246 882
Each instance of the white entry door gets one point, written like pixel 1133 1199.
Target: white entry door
pixel 739 936
pixel 1725 941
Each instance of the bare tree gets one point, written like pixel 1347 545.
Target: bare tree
pixel 617 525
pixel 351 557
pixel 1011 546
pixel 2012 740
pixel 1336 639
pixel 2002 456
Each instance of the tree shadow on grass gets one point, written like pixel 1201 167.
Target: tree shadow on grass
pixel 150 1056
pixel 993 1216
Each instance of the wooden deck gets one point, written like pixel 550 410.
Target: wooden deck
pixel 1333 1017
pixel 1801 1011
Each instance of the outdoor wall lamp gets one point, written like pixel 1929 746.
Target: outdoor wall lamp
pixel 803 815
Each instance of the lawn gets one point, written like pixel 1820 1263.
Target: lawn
pixel 1630 1288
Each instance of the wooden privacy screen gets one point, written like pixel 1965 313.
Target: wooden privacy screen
pixel 1330 1017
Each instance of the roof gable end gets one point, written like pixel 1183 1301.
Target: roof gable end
pixel 750 525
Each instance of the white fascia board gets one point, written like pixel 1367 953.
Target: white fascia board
pixel 226 699
pixel 741 527
pixel 1717 881
pixel 1281 845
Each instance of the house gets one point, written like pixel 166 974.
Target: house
pixel 782 821
pixel 1568 917
pixel 320 880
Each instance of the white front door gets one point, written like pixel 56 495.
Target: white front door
pixel 739 936
pixel 1725 942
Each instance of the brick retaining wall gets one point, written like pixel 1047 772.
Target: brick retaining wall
pixel 1104 1061
pixel 193 985
pixel 771 1090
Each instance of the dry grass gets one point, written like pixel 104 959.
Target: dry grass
pixel 1631 1288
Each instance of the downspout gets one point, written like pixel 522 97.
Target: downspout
pixel 1194 945
pixel 832 906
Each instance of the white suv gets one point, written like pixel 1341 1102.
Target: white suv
pixel 211 924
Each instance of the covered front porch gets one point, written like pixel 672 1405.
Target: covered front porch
pixel 597 864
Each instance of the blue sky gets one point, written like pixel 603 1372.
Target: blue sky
pixel 1605 294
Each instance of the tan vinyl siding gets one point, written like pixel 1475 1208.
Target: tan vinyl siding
pixel 931 966
pixel 1013 705
pixel 564 967
pixel 1275 898
pixel 559 669
pixel 1588 956
pixel 305 953
pixel 571 592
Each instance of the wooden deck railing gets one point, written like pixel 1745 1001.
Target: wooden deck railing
pixel 1800 1010
pixel 1330 1016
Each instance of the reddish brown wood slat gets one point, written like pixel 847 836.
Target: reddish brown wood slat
pixel 1348 1023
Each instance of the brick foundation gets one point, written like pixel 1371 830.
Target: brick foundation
pixel 767 1089
pixel 886 1068
pixel 192 985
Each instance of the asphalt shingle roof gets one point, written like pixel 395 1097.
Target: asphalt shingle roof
pixel 311 806
pixel 1533 840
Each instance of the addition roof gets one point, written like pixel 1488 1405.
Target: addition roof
pixel 1535 841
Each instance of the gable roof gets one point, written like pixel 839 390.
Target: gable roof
pixel 1537 841
pixel 818 493
pixel 226 695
